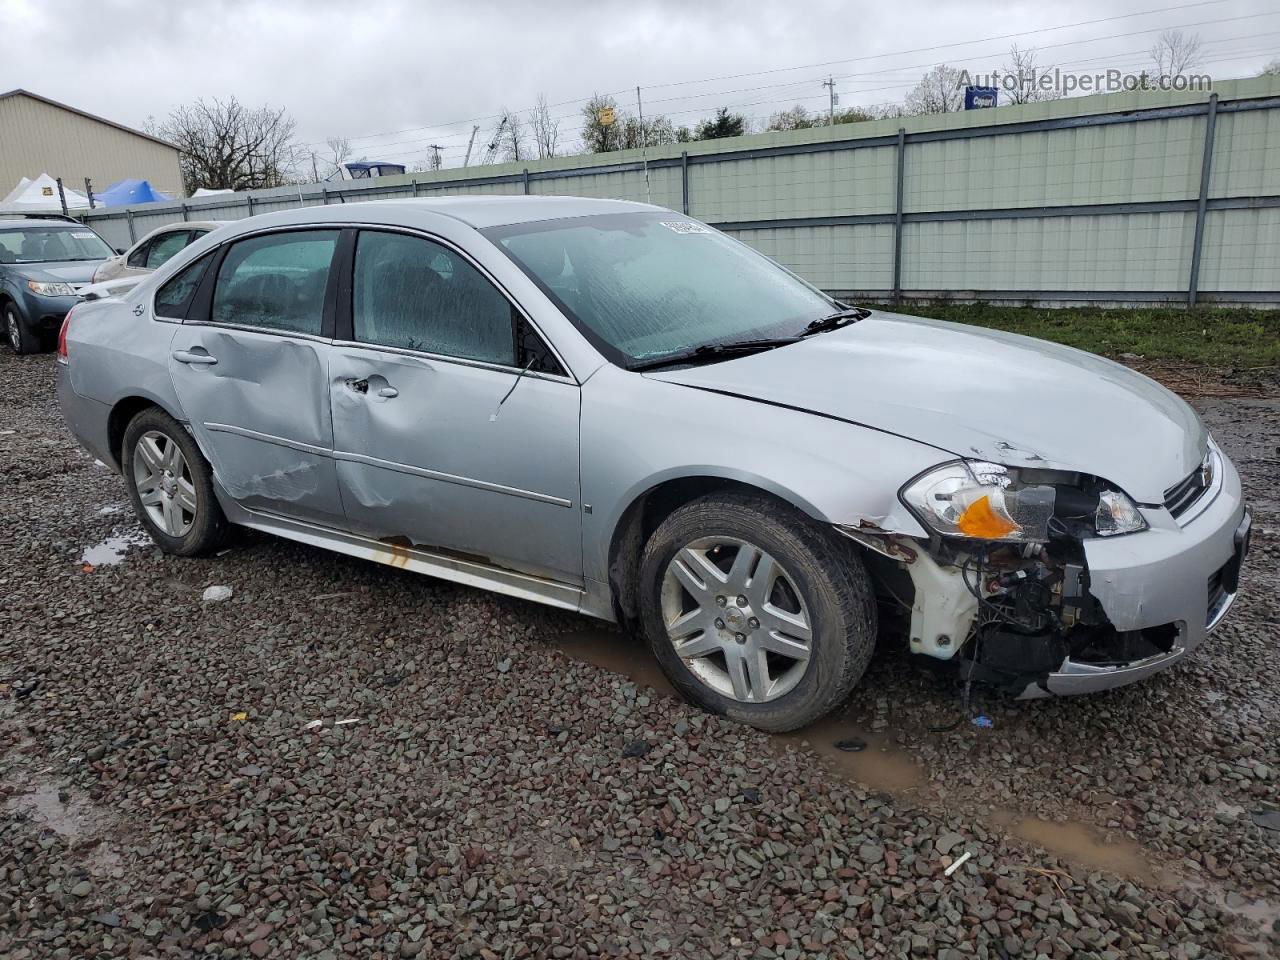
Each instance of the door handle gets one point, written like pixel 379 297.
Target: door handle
pixel 388 392
pixel 185 356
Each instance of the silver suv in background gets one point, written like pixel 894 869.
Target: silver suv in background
pixel 615 409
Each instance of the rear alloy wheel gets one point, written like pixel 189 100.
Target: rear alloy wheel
pixel 756 611
pixel 170 485
pixel 20 338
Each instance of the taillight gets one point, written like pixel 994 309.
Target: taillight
pixel 62 336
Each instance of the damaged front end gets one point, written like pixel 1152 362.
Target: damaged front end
pixel 1005 588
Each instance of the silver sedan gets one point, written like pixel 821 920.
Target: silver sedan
pixel 615 409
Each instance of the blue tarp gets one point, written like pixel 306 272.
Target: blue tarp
pixel 129 191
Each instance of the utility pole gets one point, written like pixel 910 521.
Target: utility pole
pixel 644 147
pixel 470 143
pixel 435 155
pixel 88 192
pixel 830 84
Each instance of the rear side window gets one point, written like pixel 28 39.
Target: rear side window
pixel 173 298
pixel 165 246
pixel 275 281
pixel 412 293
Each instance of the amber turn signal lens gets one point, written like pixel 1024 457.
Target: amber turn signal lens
pixel 980 519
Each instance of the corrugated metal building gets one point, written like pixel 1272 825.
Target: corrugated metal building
pixel 39 135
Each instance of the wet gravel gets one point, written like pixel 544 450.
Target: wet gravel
pixel 341 759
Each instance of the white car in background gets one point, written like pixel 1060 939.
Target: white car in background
pixel 152 251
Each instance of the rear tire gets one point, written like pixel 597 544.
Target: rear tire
pixel 171 485
pixel 21 339
pixel 800 642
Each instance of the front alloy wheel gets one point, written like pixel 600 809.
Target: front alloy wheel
pixel 755 610
pixel 20 339
pixel 736 619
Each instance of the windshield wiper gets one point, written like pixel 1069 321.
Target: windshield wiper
pixel 710 352
pixel 836 320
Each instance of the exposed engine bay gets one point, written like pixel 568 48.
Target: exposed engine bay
pixel 1011 613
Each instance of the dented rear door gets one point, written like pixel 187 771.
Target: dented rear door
pixel 250 367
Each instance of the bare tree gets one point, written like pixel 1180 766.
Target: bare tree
pixel 1175 53
pixel 1025 70
pixel 545 127
pixel 1272 69
pixel 510 138
pixel 939 91
pixel 225 145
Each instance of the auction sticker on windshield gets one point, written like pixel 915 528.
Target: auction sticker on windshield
pixel 83 234
pixel 684 226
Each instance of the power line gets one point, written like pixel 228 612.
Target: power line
pixel 755 73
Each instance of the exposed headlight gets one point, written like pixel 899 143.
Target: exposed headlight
pixel 1117 514
pixel 984 501
pixel 51 289
pixel 987 501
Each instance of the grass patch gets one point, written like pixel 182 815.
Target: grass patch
pixel 1213 337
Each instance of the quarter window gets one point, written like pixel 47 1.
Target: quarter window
pixel 276 281
pixel 415 294
pixel 173 298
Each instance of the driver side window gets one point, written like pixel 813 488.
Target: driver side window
pixel 412 293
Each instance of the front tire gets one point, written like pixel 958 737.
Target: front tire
pixel 755 611
pixel 21 339
pixel 171 485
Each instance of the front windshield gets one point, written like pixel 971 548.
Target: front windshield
pixel 648 285
pixel 49 244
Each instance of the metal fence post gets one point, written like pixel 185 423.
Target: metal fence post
pixel 1206 167
pixel 526 180
pixel 248 198
pixel 324 195
pixel 186 214
pixel 133 236
pixel 897 218
pixel 684 180
pixel 415 186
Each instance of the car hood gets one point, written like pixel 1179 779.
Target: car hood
pixel 978 393
pixel 68 271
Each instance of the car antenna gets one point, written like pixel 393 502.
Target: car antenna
pixel 494 416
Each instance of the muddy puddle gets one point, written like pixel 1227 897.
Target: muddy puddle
pixel 850 752
pixel 617 653
pixel 1081 844
pixel 69 816
pixel 113 549
pixel 876 765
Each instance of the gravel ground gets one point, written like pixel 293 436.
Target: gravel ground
pixel 176 779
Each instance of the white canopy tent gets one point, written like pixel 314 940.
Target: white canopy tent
pixel 41 195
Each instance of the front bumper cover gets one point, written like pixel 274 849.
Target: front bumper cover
pixel 1182 575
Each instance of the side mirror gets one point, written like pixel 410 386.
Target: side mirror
pixel 120 251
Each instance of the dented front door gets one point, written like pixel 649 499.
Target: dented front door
pixel 431 456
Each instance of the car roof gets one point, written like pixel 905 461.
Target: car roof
pixel 504 210
pixel 478 212
pixel 26 222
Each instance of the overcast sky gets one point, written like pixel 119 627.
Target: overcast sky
pixel 421 72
